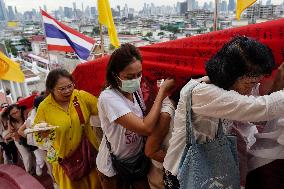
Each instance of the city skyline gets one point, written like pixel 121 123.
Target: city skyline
pixel 28 5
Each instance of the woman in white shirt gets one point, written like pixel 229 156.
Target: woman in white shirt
pixel 121 109
pixel 158 143
pixel 233 73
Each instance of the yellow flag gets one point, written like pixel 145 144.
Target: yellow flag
pixel 105 18
pixel 242 5
pixel 10 70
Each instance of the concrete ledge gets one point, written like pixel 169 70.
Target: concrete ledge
pixel 15 177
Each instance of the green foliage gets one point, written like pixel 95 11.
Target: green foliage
pixel 10 48
pixel 26 43
pixel 161 33
pixel 111 47
pixel 149 34
pixel 211 29
pixel 96 30
pixel 171 28
pixel 125 33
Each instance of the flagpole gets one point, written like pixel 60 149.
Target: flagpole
pixel 48 65
pixel 93 48
pixel 215 21
pixel 102 39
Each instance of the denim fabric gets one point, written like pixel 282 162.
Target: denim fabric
pixel 213 164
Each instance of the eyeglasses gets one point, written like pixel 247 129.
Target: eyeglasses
pixel 65 88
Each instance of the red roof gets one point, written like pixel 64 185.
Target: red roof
pixel 38 38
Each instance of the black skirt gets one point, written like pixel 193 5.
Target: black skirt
pixel 170 180
pixel 269 176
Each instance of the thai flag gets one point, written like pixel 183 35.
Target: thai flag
pixel 60 37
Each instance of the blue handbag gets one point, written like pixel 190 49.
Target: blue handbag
pixel 213 164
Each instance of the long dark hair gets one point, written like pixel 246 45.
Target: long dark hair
pixel 119 59
pixel 4 118
pixel 13 120
pixel 242 56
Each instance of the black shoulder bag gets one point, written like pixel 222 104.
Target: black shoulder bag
pixel 133 168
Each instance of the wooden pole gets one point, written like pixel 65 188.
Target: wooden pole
pixel 215 21
pixel 48 66
pixel 102 40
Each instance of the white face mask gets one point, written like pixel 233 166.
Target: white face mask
pixel 130 86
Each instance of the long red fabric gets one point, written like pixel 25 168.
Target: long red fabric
pixel 182 58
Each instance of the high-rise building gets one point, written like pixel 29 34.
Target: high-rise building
pixel 93 12
pixel 67 12
pixel 118 9
pixel 88 12
pixel 190 5
pixel 61 12
pixel 3 13
pixel 205 6
pixel 125 11
pixel 183 7
pixel 74 6
pixel 178 7
pixel 268 2
pixel 224 6
pixel 44 8
pixel 196 5
pixel 11 15
pixel 232 5
pixel 211 6
pixel 74 10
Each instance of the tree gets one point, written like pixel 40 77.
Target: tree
pixel 161 33
pixel 199 30
pixel 26 43
pixel 11 48
pixel 96 30
pixel 149 34
pixel 169 27
pixel 125 33
pixel 85 32
pixel 111 47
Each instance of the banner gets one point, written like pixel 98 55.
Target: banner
pixel 183 58
pixel 105 18
pixel 242 5
pixel 10 70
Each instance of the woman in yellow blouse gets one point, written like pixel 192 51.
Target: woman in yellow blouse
pixel 57 110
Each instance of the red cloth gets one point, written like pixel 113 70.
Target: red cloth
pixel 28 102
pixel 184 57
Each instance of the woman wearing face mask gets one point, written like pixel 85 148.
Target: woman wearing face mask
pixel 121 109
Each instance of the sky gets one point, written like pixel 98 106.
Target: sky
pixel 25 5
